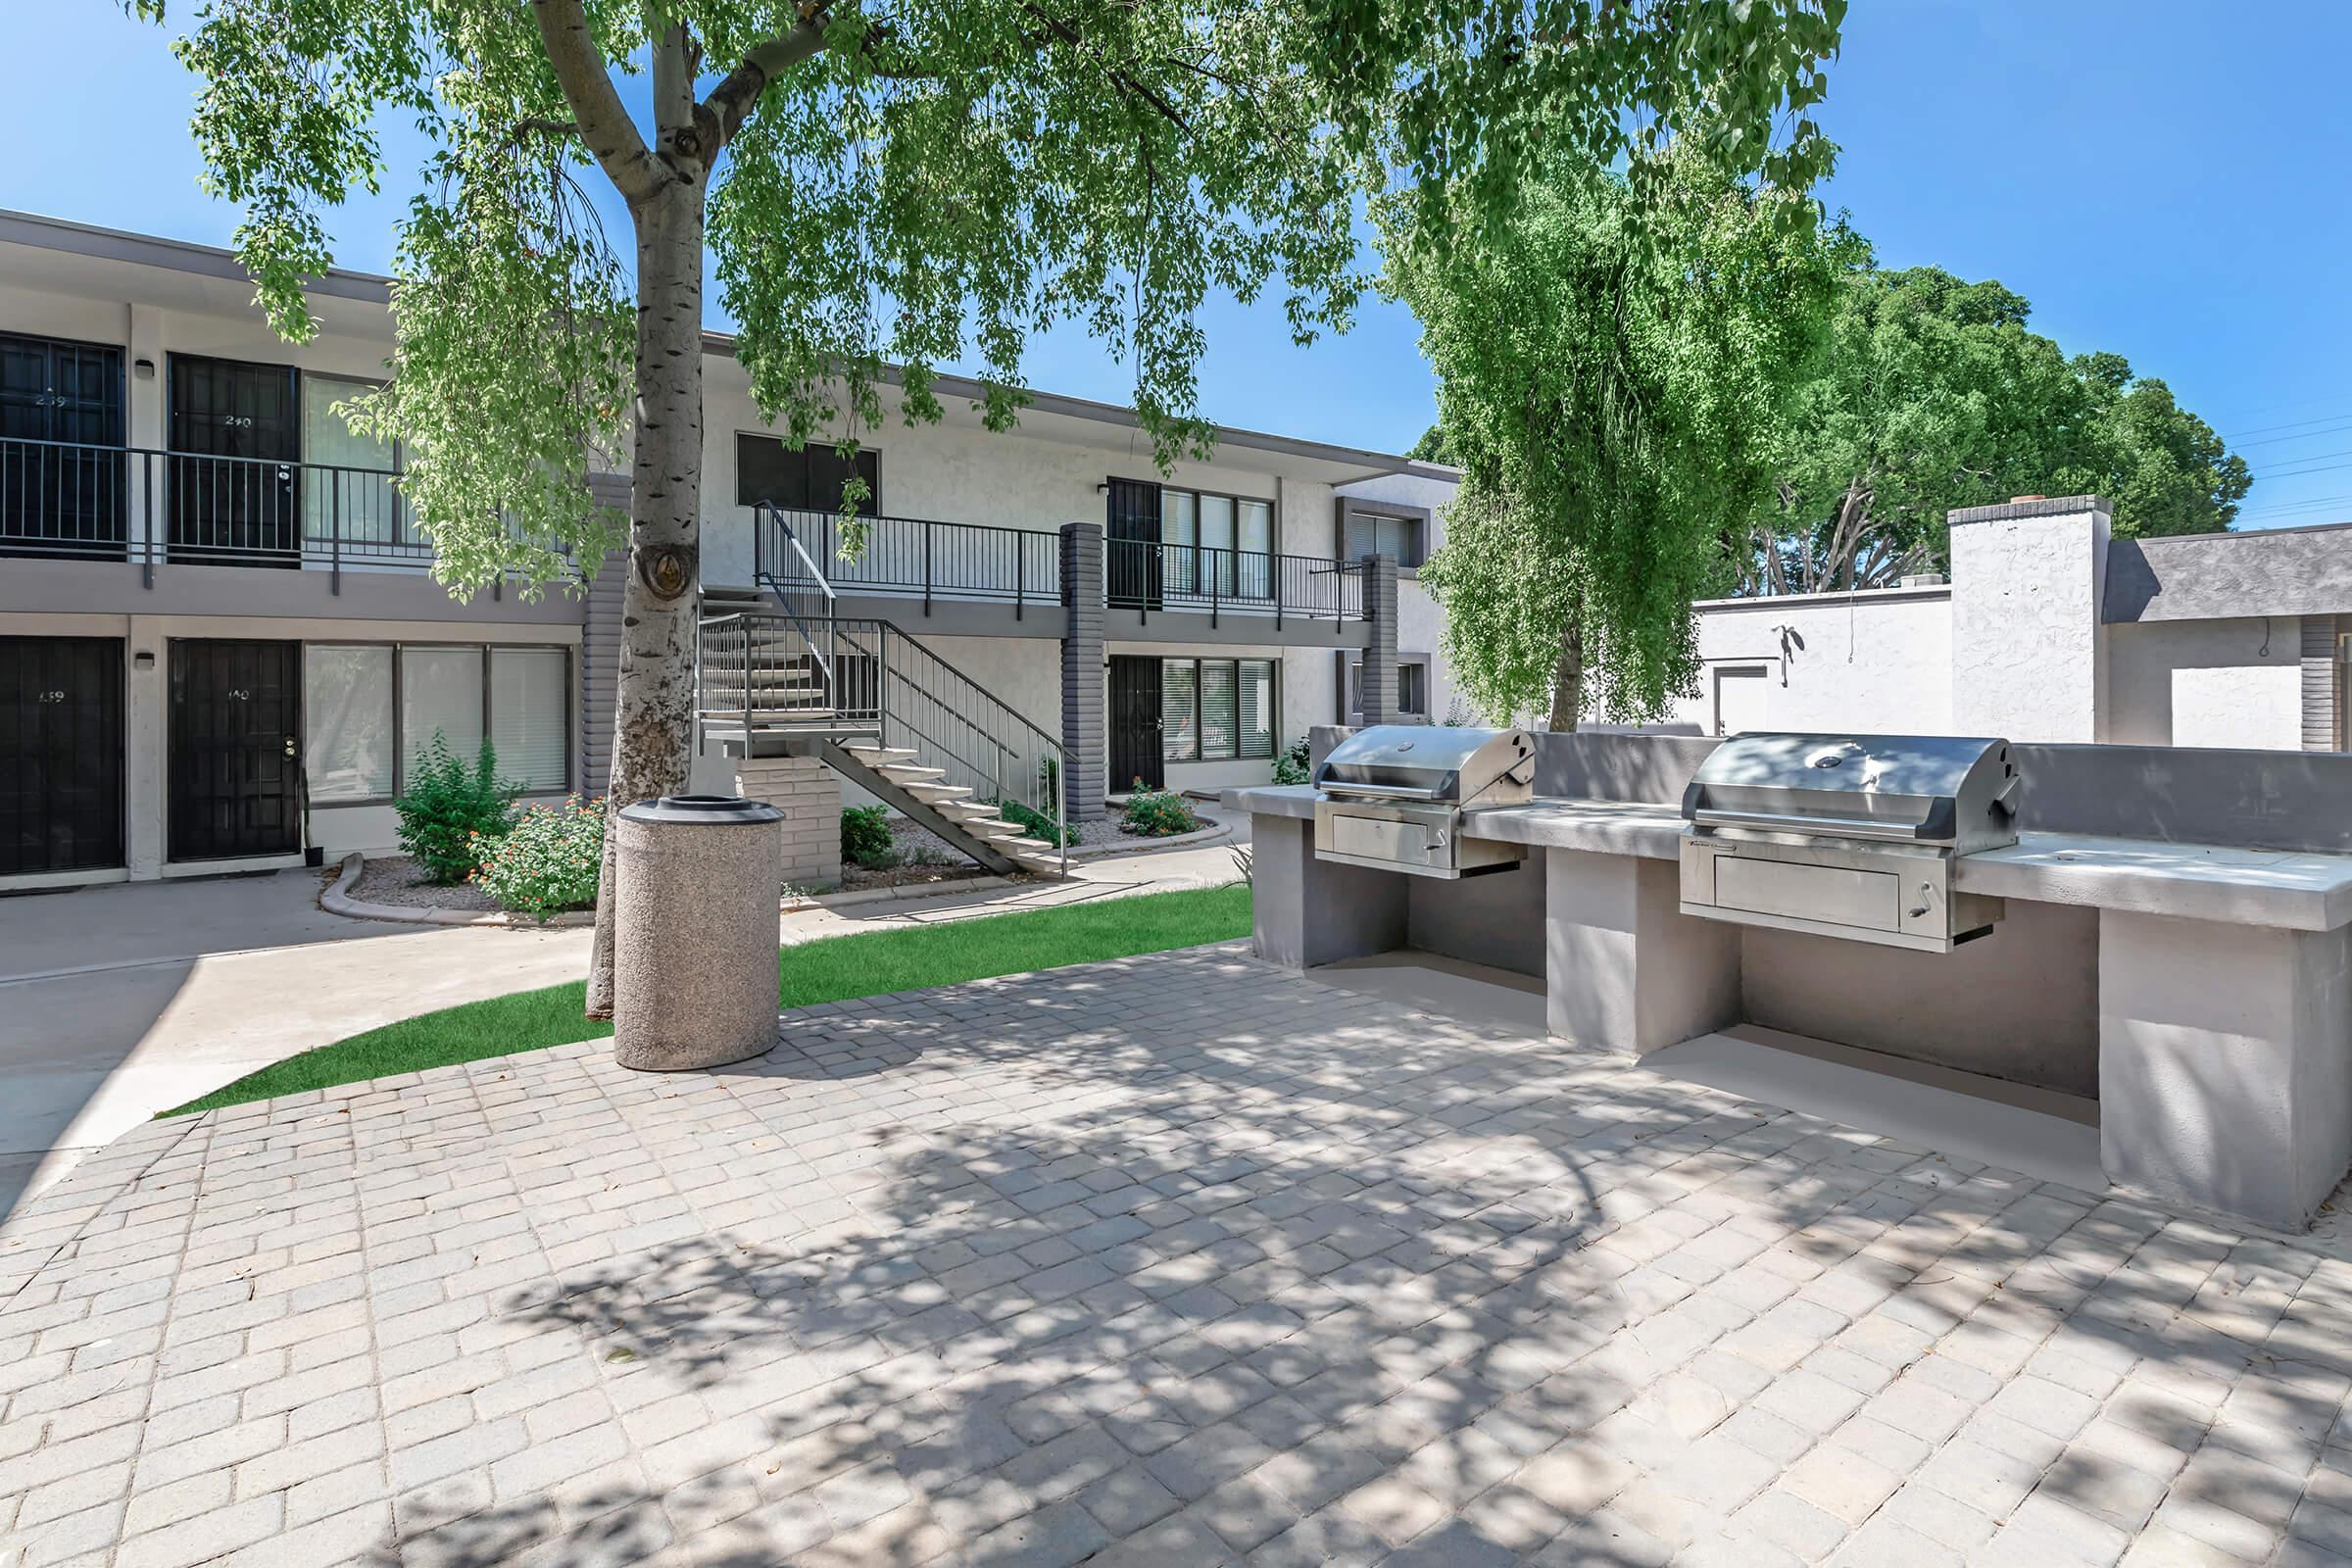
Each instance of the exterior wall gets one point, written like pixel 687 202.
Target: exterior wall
pixel 2028 654
pixel 2237 682
pixel 1875 661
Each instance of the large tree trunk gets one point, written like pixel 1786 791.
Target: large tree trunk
pixel 653 714
pixel 1568 678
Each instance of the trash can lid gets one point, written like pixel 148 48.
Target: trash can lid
pixel 706 810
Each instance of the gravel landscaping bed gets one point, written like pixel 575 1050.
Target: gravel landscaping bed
pixel 394 881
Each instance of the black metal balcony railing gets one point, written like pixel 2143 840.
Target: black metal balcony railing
pixel 1144 576
pixel 59 500
pixel 915 558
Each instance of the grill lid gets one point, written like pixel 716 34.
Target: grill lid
pixel 1938 788
pixel 1427 762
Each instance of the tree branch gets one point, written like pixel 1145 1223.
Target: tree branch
pixel 587 82
pixel 1118 75
pixel 730 101
pixel 546 128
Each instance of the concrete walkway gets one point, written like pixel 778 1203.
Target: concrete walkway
pixel 1174 1263
pixel 116 1003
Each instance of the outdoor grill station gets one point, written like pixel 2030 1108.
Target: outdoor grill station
pixel 2108 965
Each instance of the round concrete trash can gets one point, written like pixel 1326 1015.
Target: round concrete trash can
pixel 694 936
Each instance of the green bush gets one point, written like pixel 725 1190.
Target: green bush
pixel 1034 823
pixel 1291 766
pixel 549 862
pixel 449 807
pixel 1158 814
pixel 866 838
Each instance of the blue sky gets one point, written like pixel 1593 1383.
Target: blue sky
pixel 2163 178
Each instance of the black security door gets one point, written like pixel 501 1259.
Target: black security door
pixel 61 754
pixel 236 434
pixel 1135 741
pixel 236 764
pixel 1131 544
pixel 63 478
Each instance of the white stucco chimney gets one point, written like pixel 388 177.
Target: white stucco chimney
pixel 2028 650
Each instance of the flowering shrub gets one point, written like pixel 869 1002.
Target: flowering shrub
pixel 449 808
pixel 1157 813
pixel 549 862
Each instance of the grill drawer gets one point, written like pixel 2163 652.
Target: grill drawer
pixel 1830 894
pixel 1378 839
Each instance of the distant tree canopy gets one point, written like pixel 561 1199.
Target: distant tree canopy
pixel 1934 395
pixel 1613 380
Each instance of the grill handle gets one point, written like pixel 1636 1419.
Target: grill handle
pixel 1386 792
pixel 1855 827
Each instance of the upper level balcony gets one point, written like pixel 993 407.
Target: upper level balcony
pixel 967 573
pixel 71 502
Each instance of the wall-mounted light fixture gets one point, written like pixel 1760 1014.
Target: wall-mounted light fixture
pixel 144 658
pixel 144 369
pixel 1103 488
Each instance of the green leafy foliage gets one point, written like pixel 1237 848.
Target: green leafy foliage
pixel 548 863
pixel 1291 766
pixel 1158 814
pixel 865 837
pixel 1934 394
pixel 1034 823
pixel 939 180
pixel 451 812
pixel 1614 381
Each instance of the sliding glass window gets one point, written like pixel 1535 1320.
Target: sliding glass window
pixel 1216 710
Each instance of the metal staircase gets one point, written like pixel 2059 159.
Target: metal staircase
pixel 781 673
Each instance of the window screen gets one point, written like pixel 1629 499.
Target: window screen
pixel 1179 713
pixel 1372 533
pixel 1179 533
pixel 440 690
pixel 531 715
pixel 1255 538
pixel 1220 712
pixel 347 713
pixel 1257 706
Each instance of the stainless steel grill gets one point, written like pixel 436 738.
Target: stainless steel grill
pixel 1395 796
pixel 1847 835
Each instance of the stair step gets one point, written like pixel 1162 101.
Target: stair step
pixel 969 810
pixel 934 793
pixel 911 772
pixel 1026 846
pixel 993 827
pixel 873 756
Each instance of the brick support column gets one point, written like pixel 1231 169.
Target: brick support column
pixel 1380 659
pixel 808 794
pixel 1083 743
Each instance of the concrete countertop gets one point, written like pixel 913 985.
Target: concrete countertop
pixel 2278 888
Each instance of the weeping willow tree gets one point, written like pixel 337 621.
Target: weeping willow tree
pixel 1614 373
pixel 883 187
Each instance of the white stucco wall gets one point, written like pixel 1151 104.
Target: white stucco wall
pixel 2029 655
pixel 2206 683
pixel 1874 661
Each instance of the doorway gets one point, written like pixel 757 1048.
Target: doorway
pixel 235 750
pixel 61 754
pixel 1134 732
pixel 62 466
pixel 236 439
pixel 1131 540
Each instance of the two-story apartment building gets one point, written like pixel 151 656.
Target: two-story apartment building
pixel 221 647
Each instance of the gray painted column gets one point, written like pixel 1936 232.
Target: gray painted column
pixel 2226 1064
pixel 1625 970
pixel 1380 659
pixel 600 647
pixel 1307 911
pixel 1084 715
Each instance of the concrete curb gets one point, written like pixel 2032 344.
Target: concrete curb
pixel 1135 844
pixel 337 900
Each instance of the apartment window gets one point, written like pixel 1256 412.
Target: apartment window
pixel 347 708
pixel 1401 534
pixel 371 712
pixel 1412 688
pixel 1217 544
pixel 807 481
pixel 1216 710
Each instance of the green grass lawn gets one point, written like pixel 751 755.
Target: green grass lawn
pixel 833 969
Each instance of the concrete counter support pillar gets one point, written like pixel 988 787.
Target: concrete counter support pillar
pixel 2226 1064
pixel 1311 912
pixel 1625 969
